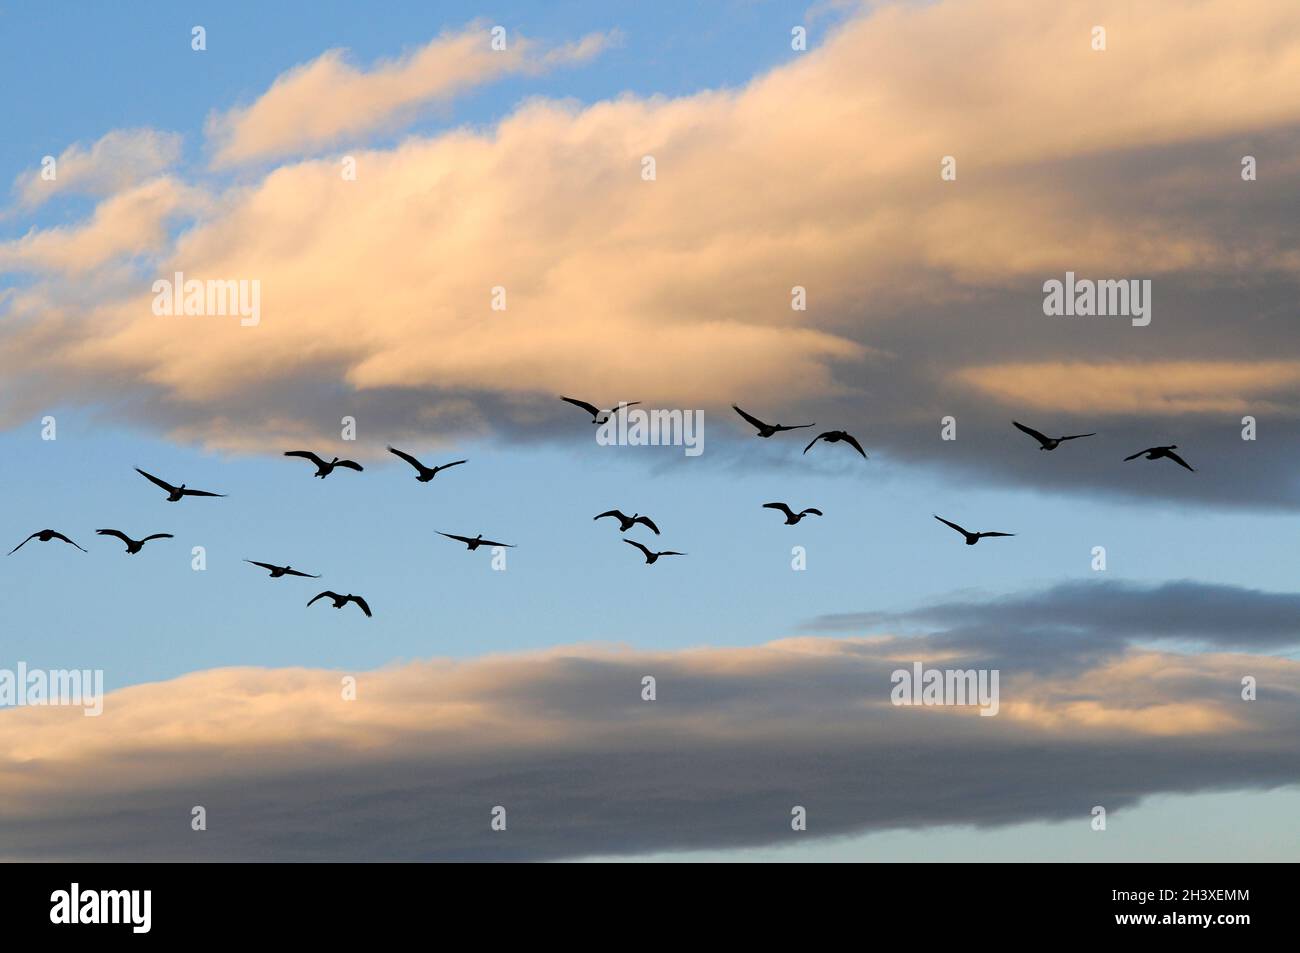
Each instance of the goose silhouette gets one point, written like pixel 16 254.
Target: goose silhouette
pixel 971 538
pixel 594 410
pixel 1157 453
pixel 626 522
pixel 133 546
pixel 44 536
pixel 651 557
pixel 425 474
pixel 835 436
pixel 174 493
pixel 765 429
pixel 791 517
pixel 340 601
pixel 277 571
pixel 324 469
pixel 1049 443
pixel 475 542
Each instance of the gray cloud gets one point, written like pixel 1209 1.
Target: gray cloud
pixel 412 769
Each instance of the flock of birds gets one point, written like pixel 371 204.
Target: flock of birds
pixel 425 474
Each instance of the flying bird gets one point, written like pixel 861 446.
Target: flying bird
pixel 594 410
pixel 766 430
pixel 133 546
pixel 341 601
pixel 44 536
pixel 1155 453
pixel 626 522
pixel 425 473
pixel 476 542
pixel 835 436
pixel 1049 443
pixel 650 557
pixel 324 469
pixel 278 571
pixel 174 493
pixel 971 538
pixel 792 517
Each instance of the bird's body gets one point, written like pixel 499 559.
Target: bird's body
pixel 278 571
pixel 596 411
pixel 133 546
pixel 835 436
pixel 766 429
pixel 324 469
pixel 1046 442
pixel 44 536
pixel 651 557
pixel 476 541
pixel 791 517
pixel 174 493
pixel 626 522
pixel 971 538
pixel 1167 453
pixel 425 474
pixel 340 600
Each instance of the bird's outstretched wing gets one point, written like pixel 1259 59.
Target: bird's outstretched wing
pixel 158 536
pixel 65 539
pixel 953 525
pixel 1076 436
pixel 268 566
pixel 199 493
pixel 157 482
pixel 306 455
pixel 22 544
pixel 852 441
pixel 408 458
pixel 793 426
pixel 671 552
pixel 811 442
pixel 1040 437
pixel 364 606
pixel 617 514
pixel 982 535
pixel 115 532
pixel 493 542
pixel 648 522
pixel 778 506
pixel 750 417
pixel 447 466
pixel 1136 455
pixel 327 594
pixel 463 539
pixel 589 408
pixel 351 465
pixel 1178 460
pixel 633 542
pixel 294 572
pixel 810 509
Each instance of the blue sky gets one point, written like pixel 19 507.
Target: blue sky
pixel 91 69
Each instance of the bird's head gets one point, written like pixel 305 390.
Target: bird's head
pixel 182 486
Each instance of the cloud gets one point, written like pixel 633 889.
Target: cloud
pixel 317 104
pixel 118 160
pixel 130 223
pixel 412 768
pixel 924 296
pixel 1096 618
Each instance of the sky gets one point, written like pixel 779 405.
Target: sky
pixel 524 169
